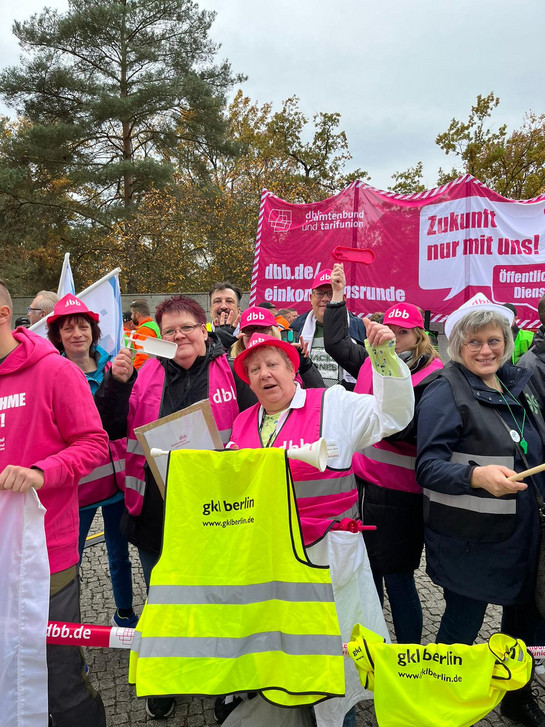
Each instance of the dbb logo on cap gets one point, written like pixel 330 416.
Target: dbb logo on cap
pixel 478 300
pixel 255 317
pixel 405 315
pixel 396 313
pixel 255 342
pixel 71 301
pixel 323 278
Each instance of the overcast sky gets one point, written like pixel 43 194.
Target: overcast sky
pixel 397 71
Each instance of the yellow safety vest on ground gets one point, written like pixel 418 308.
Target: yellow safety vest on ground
pixel 234 603
pixel 438 685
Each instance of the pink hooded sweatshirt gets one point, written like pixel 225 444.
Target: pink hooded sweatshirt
pixel 48 420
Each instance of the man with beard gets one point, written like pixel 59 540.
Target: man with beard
pixel 225 312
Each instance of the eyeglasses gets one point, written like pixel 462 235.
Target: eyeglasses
pixel 494 344
pixel 186 330
pixel 30 308
pixel 249 330
pixel 322 294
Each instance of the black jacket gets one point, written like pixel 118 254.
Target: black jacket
pixel 226 336
pixel 534 359
pixel 539 337
pixel 449 424
pixel 339 337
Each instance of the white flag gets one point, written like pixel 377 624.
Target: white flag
pixel 104 298
pixel 24 609
pixel 66 282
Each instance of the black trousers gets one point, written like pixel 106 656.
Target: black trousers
pixel 72 699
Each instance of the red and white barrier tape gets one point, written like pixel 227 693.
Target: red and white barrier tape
pixel 67 634
pixel 116 637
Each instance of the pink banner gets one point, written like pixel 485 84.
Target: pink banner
pixel 435 249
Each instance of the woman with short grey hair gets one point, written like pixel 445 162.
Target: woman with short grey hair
pixel 478 424
pixel 473 322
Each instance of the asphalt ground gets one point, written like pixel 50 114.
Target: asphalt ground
pixel 109 667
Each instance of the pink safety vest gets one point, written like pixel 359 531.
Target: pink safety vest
pixel 144 406
pixel 387 464
pixel 100 484
pixel 322 497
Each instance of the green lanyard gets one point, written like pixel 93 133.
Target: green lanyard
pixel 523 443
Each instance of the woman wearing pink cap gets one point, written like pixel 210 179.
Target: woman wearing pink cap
pixel 260 320
pixel 74 331
pixel 254 320
pixel 286 415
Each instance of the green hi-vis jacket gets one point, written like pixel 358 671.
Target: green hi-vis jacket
pixel 523 341
pixel 438 685
pixel 234 603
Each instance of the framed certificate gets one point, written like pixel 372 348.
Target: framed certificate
pixel 191 428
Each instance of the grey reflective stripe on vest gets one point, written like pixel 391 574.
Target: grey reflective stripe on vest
pixel 255 593
pixel 228 648
pixel 327 486
pixel 133 483
pixel 133 446
pixel 103 471
pixel 488 506
pixel 387 457
pixel 351 513
pixel 482 459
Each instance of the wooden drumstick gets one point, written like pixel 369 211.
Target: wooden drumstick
pixel 532 471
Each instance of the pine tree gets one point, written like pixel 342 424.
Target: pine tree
pixel 104 90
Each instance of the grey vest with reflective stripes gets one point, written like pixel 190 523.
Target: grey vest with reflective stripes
pixel 476 516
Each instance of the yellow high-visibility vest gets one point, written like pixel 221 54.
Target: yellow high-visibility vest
pixel 438 685
pixel 234 603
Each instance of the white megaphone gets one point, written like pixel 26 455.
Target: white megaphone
pixel 314 454
pixel 156 452
pixel 152 346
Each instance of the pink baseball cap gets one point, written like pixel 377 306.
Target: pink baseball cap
pixel 256 316
pixel 404 315
pixel 323 278
pixel 69 305
pixel 257 341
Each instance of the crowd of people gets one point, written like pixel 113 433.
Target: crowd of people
pixel 422 448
